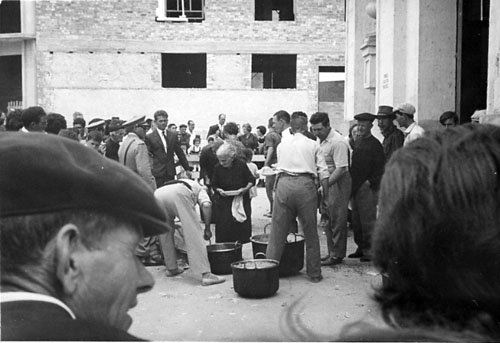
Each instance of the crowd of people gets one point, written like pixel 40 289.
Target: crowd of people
pixel 424 209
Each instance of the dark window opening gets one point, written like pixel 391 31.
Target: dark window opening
pixel 10 16
pixel 11 84
pixel 184 70
pixel 193 9
pixel 281 10
pixel 274 71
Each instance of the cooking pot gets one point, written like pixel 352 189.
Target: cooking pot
pixel 292 259
pixel 258 278
pixel 221 255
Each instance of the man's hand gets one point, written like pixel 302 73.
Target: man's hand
pixel 207 234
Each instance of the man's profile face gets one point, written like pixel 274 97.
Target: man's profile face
pixel 191 126
pixel 320 130
pixel 161 122
pixel 222 119
pixel 41 125
pixel 111 278
pixel 277 124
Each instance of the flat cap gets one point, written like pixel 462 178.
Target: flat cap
pixel 42 173
pixel 135 121
pixel 405 108
pixel 365 117
pixel 385 112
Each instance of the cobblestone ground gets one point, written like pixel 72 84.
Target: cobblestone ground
pixel 180 309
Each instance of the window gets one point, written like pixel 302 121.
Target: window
pixel 274 71
pixel 180 10
pixel 184 70
pixel 10 16
pixel 331 84
pixel 276 10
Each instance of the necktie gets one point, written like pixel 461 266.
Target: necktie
pixel 165 138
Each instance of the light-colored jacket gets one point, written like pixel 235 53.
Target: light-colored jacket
pixel 133 153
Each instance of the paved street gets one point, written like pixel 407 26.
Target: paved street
pixel 180 309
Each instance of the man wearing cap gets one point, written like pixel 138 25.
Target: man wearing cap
pixel 81 221
pixel 116 133
pixel 300 161
pixel 393 137
pixel 162 144
pixel 367 167
pixel 184 137
pixel 335 149
pixel 404 116
pixel 179 199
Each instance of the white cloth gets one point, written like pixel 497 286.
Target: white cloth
pixel 237 209
pixel 28 296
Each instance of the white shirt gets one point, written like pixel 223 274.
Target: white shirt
pixel 298 154
pixel 162 137
pixel 336 151
pixel 28 296
pixel 413 132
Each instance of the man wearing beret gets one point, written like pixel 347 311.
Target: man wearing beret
pixel 393 137
pixel 162 145
pixel 367 167
pixel 70 221
pixel 404 116
pixel 116 133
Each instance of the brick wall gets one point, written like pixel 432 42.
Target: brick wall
pixel 103 58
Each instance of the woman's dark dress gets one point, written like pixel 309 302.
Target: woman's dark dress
pixel 227 229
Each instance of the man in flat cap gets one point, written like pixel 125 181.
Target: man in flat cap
pixel 70 221
pixel 393 137
pixel 116 133
pixel 367 167
pixel 404 116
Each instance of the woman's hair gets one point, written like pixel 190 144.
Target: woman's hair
pixel 226 150
pixel 231 128
pixel 437 237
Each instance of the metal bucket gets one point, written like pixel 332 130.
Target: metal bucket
pixel 256 278
pixel 292 260
pixel 221 255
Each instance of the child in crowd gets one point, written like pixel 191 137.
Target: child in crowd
pixel 195 150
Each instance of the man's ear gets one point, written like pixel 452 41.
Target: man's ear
pixel 68 269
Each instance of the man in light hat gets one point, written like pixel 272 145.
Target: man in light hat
pixel 134 154
pixel 404 116
pixel 393 137
pixel 367 167
pixel 81 215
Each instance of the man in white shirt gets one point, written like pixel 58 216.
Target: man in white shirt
pixel 300 161
pixel 404 116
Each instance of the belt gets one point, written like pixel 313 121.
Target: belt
pixel 286 174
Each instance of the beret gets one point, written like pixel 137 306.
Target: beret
pixel 385 112
pixel 365 117
pixel 42 173
pixel 406 108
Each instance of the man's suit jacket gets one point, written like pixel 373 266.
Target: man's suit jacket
pixel 42 321
pixel 163 162
pixel 213 129
pixel 133 153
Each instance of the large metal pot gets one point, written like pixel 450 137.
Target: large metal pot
pixel 221 255
pixel 256 278
pixel 292 260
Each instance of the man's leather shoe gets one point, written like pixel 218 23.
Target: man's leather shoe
pixel 365 258
pixel 356 254
pixel 331 261
pixel 324 258
pixel 316 279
